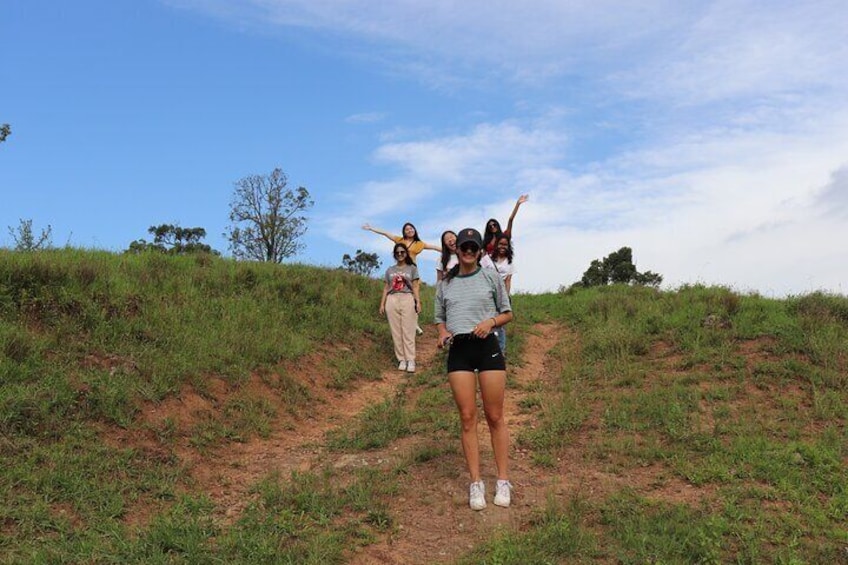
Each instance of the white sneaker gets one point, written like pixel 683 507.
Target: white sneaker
pixel 410 366
pixel 503 491
pixel 402 366
pixel 418 330
pixel 477 495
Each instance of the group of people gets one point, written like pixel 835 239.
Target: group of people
pixel 472 306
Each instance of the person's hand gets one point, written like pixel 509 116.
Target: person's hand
pixel 382 309
pixel 484 328
pixel 444 340
pixel 523 198
pixel 417 307
pixel 366 226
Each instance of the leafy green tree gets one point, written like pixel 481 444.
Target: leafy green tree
pixel 5 131
pixel 617 267
pixel 173 240
pixel 26 240
pixel 362 263
pixel 267 217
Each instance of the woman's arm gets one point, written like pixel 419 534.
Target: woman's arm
pixel 432 247
pixel 521 200
pixel 379 231
pixel 415 286
pixel 508 283
pixel 383 299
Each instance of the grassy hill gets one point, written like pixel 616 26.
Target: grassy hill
pixel 140 396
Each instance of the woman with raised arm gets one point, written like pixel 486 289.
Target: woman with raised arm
pixel 493 228
pixel 401 304
pixel 409 238
pixel 470 303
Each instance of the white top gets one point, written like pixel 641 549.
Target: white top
pixel 504 267
pixel 451 262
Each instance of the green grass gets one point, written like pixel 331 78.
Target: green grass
pixel 89 339
pixel 738 395
pixel 739 399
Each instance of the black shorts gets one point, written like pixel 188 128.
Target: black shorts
pixel 470 353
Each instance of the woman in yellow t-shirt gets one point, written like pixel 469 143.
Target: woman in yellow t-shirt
pixel 409 238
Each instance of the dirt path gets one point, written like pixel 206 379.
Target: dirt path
pixel 293 446
pixel 433 521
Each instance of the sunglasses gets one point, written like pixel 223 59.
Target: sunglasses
pixel 400 253
pixel 469 248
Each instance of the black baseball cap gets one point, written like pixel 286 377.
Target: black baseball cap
pixel 469 234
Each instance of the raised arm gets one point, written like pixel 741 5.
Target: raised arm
pixel 432 247
pixel 390 236
pixel 521 200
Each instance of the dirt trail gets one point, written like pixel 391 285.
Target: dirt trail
pixel 433 521
pixel 293 446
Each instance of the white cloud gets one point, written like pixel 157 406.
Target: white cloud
pixel 698 49
pixel 734 133
pixel 485 156
pixel 833 199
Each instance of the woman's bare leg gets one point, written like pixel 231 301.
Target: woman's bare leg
pixel 492 388
pixel 464 387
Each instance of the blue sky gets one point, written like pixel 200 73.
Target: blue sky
pixel 711 137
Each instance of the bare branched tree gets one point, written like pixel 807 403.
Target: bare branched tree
pixel 26 240
pixel 267 218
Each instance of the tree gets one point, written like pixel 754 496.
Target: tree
pixel 173 240
pixel 25 239
pixel 5 131
pixel 362 263
pixel 617 267
pixel 268 219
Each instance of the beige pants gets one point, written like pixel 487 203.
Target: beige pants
pixel 400 310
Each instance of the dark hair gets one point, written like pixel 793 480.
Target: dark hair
pixel 508 248
pixel 397 246
pixel 488 236
pixel 414 236
pixel 446 254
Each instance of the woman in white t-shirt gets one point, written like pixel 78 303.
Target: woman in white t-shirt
pixel 502 261
pixel 448 258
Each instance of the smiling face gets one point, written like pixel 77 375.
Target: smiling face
pixel 400 254
pixel 408 231
pixel 503 247
pixel 493 226
pixel 449 242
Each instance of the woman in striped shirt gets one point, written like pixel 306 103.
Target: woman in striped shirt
pixel 470 303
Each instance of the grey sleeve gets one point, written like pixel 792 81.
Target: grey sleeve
pixel 439 306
